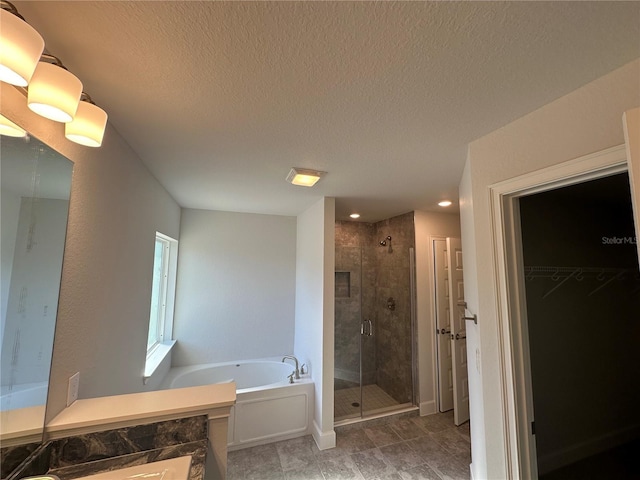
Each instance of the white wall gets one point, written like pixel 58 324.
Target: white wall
pixel 427 226
pixel 314 320
pixel 584 121
pixel 236 287
pixel 116 207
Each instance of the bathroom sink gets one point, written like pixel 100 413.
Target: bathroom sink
pixel 172 469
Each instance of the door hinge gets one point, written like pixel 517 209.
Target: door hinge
pixel 533 428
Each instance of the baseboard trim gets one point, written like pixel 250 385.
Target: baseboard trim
pixel 428 408
pixel 324 440
pixel 578 451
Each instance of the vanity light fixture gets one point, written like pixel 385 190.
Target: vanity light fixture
pixel 87 127
pixel 52 91
pixel 304 177
pixel 20 47
pixel 445 203
pixel 10 129
pixel 355 215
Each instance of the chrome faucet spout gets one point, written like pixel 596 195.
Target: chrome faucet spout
pixel 291 357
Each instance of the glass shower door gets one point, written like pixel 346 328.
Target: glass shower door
pixel 374 341
pixel 387 343
pixel 348 333
pixel 369 330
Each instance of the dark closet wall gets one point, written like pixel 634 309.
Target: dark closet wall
pixel 585 335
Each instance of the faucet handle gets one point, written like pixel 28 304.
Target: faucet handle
pixel 302 369
pixel 290 377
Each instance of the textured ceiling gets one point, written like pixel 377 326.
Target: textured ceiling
pixel 221 99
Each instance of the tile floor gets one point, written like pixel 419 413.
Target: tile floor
pixel 396 448
pixel 375 399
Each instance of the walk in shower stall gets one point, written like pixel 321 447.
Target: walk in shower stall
pixel 374 317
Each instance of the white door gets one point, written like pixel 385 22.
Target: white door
pixel 443 325
pixel 631 122
pixel 458 333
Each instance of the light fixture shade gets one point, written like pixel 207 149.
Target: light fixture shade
pixel 10 129
pixel 54 92
pixel 20 49
pixel 87 127
pixel 304 177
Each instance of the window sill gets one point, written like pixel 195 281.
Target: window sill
pixel 155 358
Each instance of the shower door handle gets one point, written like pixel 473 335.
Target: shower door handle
pixel 369 331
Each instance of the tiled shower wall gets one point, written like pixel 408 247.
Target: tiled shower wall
pixel 387 357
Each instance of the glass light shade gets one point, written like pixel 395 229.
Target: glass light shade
pixel 304 177
pixel 87 127
pixel 54 92
pixel 20 49
pixel 10 129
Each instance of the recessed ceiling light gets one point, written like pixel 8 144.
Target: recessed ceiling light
pixel 445 203
pixel 304 177
pixel 355 215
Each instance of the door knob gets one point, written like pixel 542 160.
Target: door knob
pixel 443 331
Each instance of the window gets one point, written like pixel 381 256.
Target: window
pixel 159 341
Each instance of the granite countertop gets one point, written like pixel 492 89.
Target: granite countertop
pixel 197 450
pixel 98 452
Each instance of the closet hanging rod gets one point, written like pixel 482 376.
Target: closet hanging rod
pixel 561 272
pixel 561 275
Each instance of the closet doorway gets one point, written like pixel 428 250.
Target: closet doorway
pixel 582 290
pixel 511 309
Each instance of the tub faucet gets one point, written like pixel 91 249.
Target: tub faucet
pixel 291 357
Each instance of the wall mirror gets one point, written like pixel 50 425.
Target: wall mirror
pixel 35 188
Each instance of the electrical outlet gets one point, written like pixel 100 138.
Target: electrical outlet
pixel 74 386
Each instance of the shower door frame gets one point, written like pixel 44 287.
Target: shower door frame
pixel 363 414
pixel 413 341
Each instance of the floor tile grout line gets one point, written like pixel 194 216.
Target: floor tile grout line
pixel 425 460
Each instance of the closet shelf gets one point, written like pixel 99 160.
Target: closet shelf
pixel 561 275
